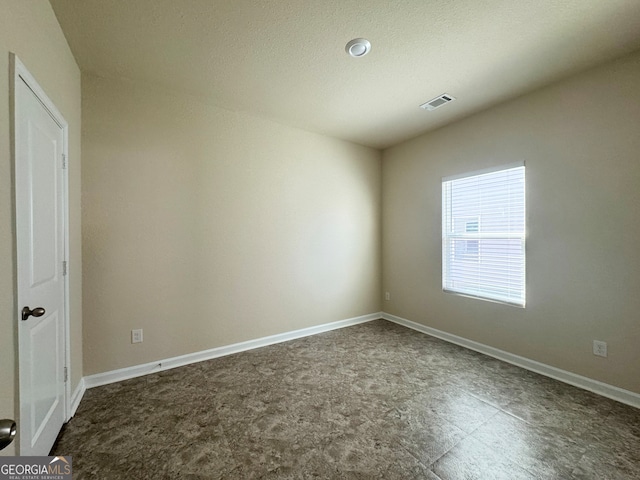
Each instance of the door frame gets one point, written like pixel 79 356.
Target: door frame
pixel 19 73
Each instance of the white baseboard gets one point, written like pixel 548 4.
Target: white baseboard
pixel 113 376
pixel 78 393
pixel 595 386
pixel 601 388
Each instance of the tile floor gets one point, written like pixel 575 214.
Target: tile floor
pixel 375 400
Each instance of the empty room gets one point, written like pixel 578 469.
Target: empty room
pixel 332 239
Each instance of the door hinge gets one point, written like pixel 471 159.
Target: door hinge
pixel 64 268
pixel 64 161
pixel 66 374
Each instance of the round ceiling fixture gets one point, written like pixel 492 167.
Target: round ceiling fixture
pixel 358 47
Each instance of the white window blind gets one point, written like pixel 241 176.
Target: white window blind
pixel 483 235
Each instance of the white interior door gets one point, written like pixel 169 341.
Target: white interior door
pixel 40 231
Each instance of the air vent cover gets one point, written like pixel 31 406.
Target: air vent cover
pixel 438 101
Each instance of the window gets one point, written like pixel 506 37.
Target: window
pixel 483 234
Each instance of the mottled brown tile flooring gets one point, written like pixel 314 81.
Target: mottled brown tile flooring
pixel 375 400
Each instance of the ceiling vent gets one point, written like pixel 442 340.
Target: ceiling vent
pixel 437 102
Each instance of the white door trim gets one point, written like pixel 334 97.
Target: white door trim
pixel 20 73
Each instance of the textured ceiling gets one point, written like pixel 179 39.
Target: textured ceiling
pixel 285 59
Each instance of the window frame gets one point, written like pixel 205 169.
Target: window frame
pixel 448 235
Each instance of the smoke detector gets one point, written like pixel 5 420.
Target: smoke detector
pixel 358 47
pixel 438 102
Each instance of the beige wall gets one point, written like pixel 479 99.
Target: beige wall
pixel 30 29
pixel 580 140
pixel 206 227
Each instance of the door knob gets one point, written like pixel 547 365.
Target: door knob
pixel 7 432
pixel 36 312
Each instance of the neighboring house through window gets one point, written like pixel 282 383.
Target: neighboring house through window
pixel 465 249
pixel 483 234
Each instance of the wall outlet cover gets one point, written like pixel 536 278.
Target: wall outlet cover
pixel 600 348
pixel 136 336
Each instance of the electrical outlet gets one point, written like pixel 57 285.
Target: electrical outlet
pixel 136 336
pixel 387 296
pixel 600 348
